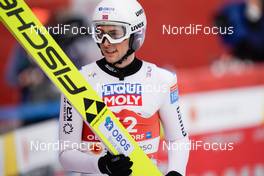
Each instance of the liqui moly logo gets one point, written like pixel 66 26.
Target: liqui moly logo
pixel 122 94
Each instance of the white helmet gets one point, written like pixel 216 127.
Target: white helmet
pixel 127 16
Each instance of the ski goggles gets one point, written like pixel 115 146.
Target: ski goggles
pixel 112 31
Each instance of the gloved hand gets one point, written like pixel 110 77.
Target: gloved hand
pixel 115 165
pixel 173 173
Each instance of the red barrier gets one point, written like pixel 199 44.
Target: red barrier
pixel 246 158
pixel 205 79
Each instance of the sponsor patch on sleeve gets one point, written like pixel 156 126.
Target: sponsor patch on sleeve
pixel 174 93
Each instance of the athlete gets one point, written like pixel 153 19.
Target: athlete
pixel 139 93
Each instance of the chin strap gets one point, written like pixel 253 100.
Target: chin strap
pixel 120 61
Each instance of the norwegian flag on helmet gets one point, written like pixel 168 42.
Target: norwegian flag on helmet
pixel 105 17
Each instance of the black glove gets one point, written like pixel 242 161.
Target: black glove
pixel 115 165
pixel 173 173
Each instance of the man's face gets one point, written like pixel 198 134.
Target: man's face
pixel 113 52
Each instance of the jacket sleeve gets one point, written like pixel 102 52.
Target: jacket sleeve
pixel 174 129
pixel 70 135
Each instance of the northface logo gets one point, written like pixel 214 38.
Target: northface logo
pixel 121 94
pixel 109 124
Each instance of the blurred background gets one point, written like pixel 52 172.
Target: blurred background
pixel 220 77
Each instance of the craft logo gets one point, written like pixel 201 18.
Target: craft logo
pixel 122 94
pixel 67 128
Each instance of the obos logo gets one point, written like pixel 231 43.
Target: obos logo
pixel 109 124
pixel 116 137
pixel 122 94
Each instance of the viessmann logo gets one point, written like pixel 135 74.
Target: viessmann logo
pixel 122 94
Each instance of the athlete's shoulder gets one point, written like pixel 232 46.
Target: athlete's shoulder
pixel 90 66
pixel 161 74
pixel 89 70
pixel 166 74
